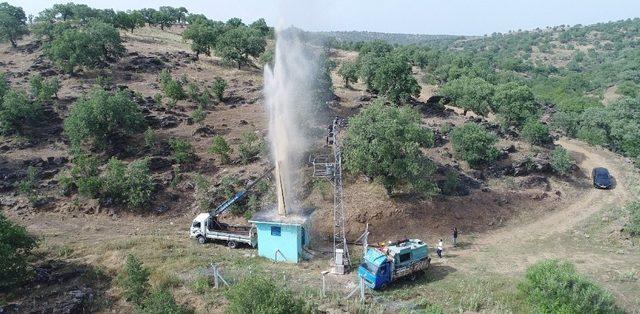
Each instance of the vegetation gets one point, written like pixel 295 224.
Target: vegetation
pixel 514 103
pixel 560 161
pixel 240 43
pixel 473 144
pixel 13 23
pixel 42 90
pixel 384 142
pixel 182 151
pixel 15 249
pixel 101 118
pixel 261 295
pixel 160 302
pixel 131 185
pixel 553 286
pixel 29 185
pixel 92 45
pixel 220 147
pixel 349 72
pixel 634 218
pixel 250 147
pixel 198 115
pixel 218 87
pixel 470 93
pixel 17 112
pixel 134 280
pixel 535 132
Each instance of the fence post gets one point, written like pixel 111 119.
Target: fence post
pixel 215 276
pixel 324 284
pixel 361 289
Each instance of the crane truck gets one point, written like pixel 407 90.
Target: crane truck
pixel 206 226
pixel 385 264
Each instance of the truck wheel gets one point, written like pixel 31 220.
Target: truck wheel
pixel 201 240
pixel 232 244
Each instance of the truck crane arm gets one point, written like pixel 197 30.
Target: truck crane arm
pixel 238 196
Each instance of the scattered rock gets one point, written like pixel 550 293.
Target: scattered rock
pixel 159 163
pixel 535 181
pixel 204 131
pixel 168 122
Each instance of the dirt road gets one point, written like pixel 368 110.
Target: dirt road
pixel 567 233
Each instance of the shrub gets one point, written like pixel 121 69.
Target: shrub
pixel 553 286
pixel 349 72
pixel 150 138
pixel 474 144
pixel 261 295
pixel 250 147
pixel 384 142
pixel 198 115
pixel 139 183
pixel 160 302
pixel 4 85
pixel 85 173
pixel 220 147
pixel 41 90
pixel 470 93
pixel 17 112
pixel 514 103
pixel 560 161
pixel 218 87
pixel 134 280
pixel 101 118
pixel 182 151
pixel 634 218
pixel 173 89
pixel 201 285
pixel 15 249
pixel 29 185
pixel 535 132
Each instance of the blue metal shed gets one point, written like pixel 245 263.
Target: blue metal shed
pixel 281 238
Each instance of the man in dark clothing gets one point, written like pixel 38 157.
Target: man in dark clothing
pixel 455 236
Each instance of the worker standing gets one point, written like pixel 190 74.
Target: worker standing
pixel 440 247
pixel 454 232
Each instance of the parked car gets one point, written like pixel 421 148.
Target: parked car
pixel 601 178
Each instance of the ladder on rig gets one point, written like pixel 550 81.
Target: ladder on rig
pixel 331 168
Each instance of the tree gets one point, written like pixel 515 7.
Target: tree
pixel 239 44
pixel 260 295
pixel 13 23
pixel 514 103
pixel 395 79
pixel 134 280
pixel 474 144
pixel 203 34
pixel 92 46
pixel 15 249
pixel 128 20
pixel 552 286
pixel 42 90
pixel 220 147
pixel 101 118
pixel 535 132
pixel 218 87
pixel 560 161
pixel 384 143
pixel 349 72
pixel 261 25
pixel 17 112
pixel 470 93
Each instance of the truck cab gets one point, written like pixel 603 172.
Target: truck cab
pixel 383 265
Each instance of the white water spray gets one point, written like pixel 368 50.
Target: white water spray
pixel 288 98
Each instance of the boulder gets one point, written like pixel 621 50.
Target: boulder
pixel 159 163
pixel 204 131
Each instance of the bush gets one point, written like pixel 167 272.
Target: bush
pixel 17 112
pixel 535 132
pixel 218 87
pixel 182 151
pixel 198 115
pixel 160 302
pixel 553 286
pixel 474 144
pixel 101 118
pixel 173 89
pixel 41 90
pixel 261 295
pixel 220 147
pixel 634 218
pixel 560 161
pixel 15 249
pixel 250 147
pixel 85 173
pixel 134 280
pixel 150 138
pixel 514 103
pixel 384 142
pixel 29 185
pixel 131 185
